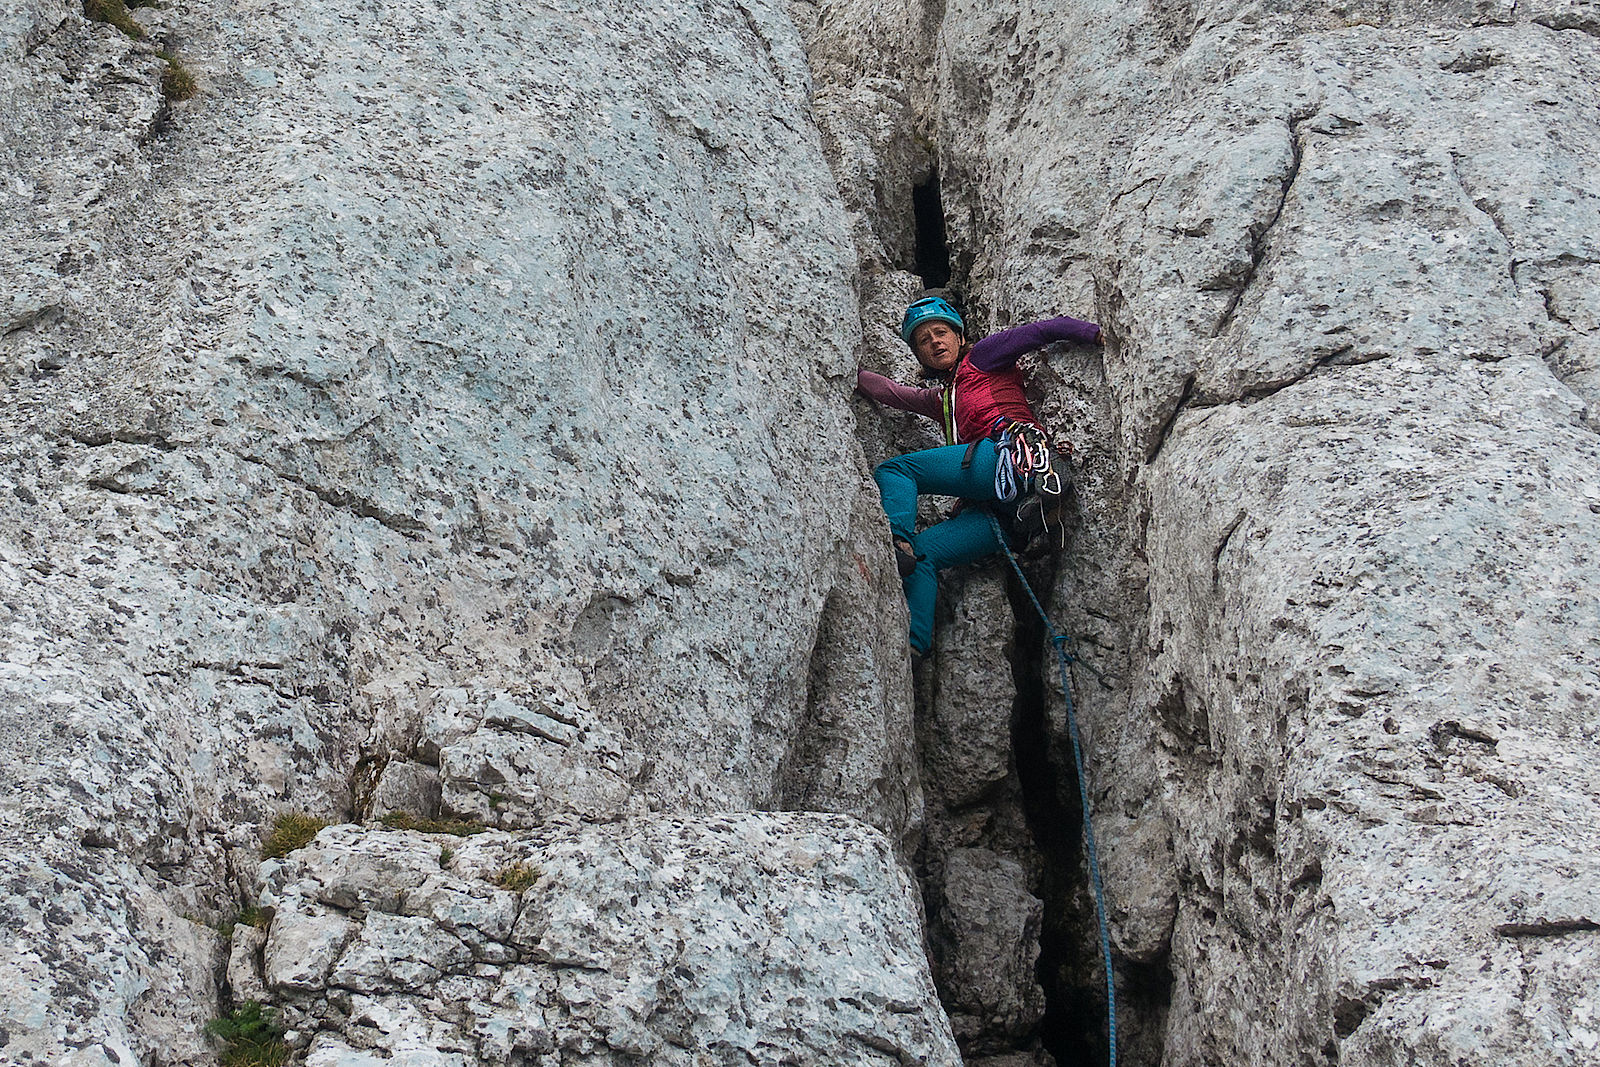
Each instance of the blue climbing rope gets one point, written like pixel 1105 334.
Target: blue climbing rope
pixel 1065 658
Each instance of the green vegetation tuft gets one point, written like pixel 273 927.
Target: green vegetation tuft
pixel 114 13
pixel 290 830
pixel 516 876
pixel 252 915
pixel 446 854
pixel 176 81
pixel 250 1036
pixel 404 820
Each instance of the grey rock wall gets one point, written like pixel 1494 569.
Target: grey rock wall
pixel 632 942
pixel 445 413
pixel 1338 542
pixel 442 413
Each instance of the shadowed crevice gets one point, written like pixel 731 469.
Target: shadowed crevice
pixel 1261 237
pixel 932 253
pixel 1074 1028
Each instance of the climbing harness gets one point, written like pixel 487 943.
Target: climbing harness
pixel 1065 658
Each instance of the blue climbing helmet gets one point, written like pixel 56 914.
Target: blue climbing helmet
pixel 930 309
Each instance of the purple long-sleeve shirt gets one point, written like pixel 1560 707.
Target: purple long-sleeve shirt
pixel 987 386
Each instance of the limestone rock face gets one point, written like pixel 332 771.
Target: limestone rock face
pixel 446 414
pixel 443 410
pixel 993 924
pixel 1338 541
pixel 629 942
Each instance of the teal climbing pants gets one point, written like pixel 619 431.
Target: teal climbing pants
pixel 967 537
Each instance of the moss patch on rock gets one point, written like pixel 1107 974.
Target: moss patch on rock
pixel 114 13
pixel 404 820
pixel 251 1037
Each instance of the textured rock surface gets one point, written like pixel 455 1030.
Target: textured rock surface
pixel 993 924
pixel 1339 538
pixel 441 409
pixel 635 942
pixel 978 860
pixel 445 412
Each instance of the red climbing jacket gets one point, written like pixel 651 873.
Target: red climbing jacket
pixel 987 388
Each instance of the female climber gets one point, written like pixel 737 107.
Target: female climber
pixel 996 447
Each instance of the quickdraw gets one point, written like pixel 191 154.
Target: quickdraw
pixel 1027 460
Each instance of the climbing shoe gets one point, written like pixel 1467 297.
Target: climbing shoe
pixel 905 559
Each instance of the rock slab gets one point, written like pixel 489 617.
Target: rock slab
pixel 732 939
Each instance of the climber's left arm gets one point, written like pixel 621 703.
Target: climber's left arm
pixel 1001 350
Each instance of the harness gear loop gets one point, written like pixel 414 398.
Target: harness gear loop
pixel 1064 658
pixel 966 459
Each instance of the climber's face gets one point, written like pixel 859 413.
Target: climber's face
pixel 937 345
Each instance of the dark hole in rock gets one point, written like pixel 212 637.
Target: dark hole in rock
pixel 932 251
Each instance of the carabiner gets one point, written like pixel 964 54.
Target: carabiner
pixel 1047 479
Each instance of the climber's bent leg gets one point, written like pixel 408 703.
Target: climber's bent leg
pixel 943 471
pixel 966 538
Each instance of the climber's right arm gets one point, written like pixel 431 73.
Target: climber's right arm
pixel 892 394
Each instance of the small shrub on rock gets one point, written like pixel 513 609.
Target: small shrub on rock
pixel 516 876
pixel 250 1036
pixel 176 81
pixel 251 915
pixel 291 830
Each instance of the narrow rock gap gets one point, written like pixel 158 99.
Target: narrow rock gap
pixel 1144 998
pixel 1172 417
pixel 1074 1027
pixel 818 738
pixel 932 251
